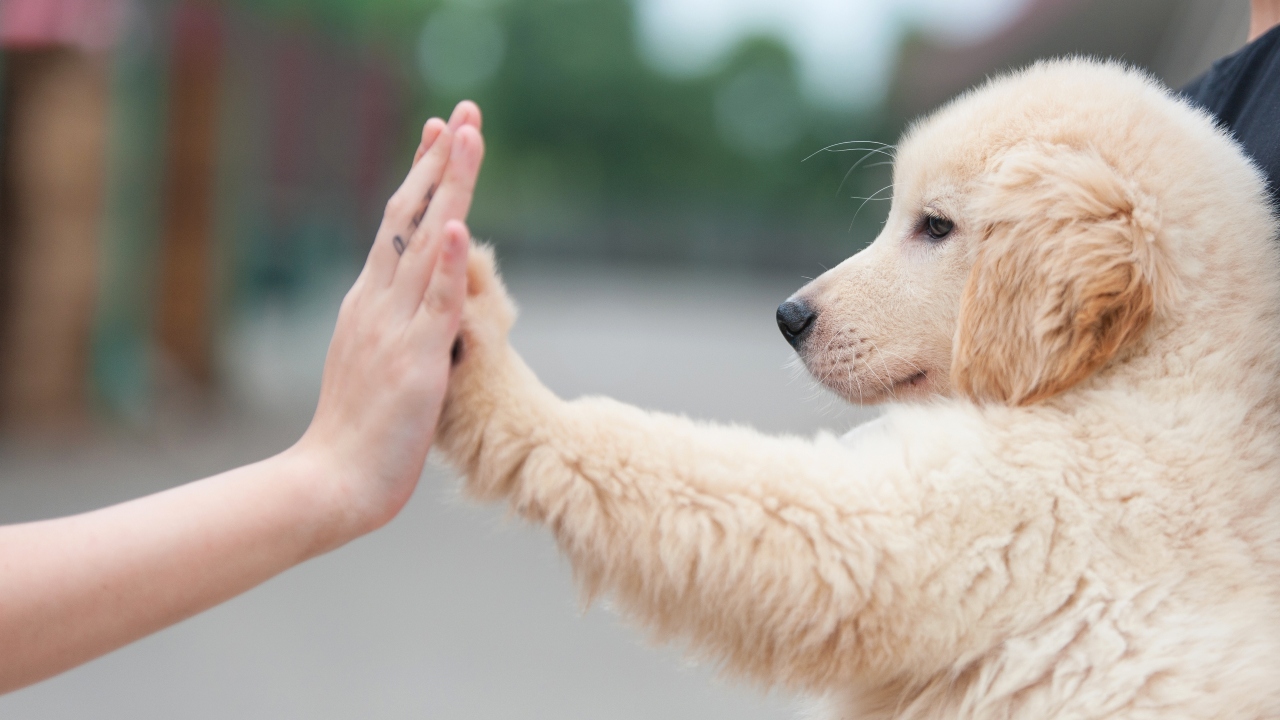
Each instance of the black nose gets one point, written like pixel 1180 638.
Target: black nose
pixel 795 320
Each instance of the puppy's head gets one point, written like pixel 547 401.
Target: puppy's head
pixel 1019 256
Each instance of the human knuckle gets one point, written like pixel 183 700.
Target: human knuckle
pixel 397 205
pixel 350 301
pixel 397 366
pixel 437 302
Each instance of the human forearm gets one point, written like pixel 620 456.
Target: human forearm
pixel 74 588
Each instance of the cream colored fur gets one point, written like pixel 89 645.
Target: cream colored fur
pixel 1073 513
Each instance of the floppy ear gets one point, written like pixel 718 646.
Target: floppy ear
pixel 1062 277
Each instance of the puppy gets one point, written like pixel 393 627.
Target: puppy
pixel 1071 507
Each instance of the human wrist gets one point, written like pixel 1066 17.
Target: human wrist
pixel 333 513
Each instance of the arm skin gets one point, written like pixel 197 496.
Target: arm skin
pixel 77 587
pixel 806 563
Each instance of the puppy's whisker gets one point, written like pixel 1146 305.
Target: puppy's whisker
pixel 831 341
pixel 815 384
pixel 826 374
pixel 873 196
pixel 890 353
pixel 882 354
pixel 830 147
pixel 860 161
pixel 857 379
pixel 887 384
pixel 846 373
pixel 869 152
pixel 868 199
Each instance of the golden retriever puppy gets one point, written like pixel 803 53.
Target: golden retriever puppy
pixel 1071 507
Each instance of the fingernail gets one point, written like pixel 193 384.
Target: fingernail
pixel 459 111
pixel 428 136
pixel 457 236
pixel 462 143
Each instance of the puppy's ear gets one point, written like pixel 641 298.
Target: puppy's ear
pixel 1062 277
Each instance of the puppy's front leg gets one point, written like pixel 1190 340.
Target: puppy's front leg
pixel 792 561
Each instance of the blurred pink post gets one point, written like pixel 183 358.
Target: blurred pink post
pixel 92 25
pixel 187 291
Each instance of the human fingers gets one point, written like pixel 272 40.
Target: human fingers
pixel 446 293
pixel 406 207
pixel 430 131
pixel 451 202
pixel 465 113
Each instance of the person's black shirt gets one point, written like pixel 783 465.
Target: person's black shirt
pixel 1243 91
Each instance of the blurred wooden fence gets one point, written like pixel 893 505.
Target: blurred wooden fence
pixel 160 165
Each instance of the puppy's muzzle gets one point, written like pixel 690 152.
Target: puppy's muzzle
pixel 795 320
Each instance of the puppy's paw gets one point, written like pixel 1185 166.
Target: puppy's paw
pixel 495 407
pixel 489 311
pixel 487 375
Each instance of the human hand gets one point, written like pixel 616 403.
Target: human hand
pixel 77 587
pixel 388 364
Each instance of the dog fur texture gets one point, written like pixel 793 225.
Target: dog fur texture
pixel 1071 506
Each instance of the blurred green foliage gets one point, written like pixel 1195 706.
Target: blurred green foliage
pixel 355 19
pixel 592 152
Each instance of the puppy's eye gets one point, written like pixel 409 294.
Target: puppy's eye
pixel 937 227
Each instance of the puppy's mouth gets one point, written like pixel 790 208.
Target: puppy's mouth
pixel 865 379
pixel 912 381
pixel 912 386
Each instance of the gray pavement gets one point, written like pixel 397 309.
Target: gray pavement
pixel 453 610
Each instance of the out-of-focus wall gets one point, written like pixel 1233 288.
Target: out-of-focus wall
pixel 1176 40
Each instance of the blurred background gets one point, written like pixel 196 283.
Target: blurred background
pixel 187 188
